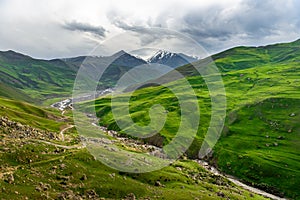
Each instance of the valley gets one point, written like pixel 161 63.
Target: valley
pixel 43 156
pixel 45 166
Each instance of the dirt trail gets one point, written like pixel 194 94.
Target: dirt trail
pixel 61 133
pixel 77 146
pixel 201 162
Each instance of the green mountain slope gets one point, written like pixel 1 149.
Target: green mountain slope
pixel 25 113
pixel 239 58
pixel 37 164
pixel 261 135
pixel 37 78
pixel 49 79
pixel 14 93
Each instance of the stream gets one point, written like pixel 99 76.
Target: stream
pixel 62 105
pixel 203 163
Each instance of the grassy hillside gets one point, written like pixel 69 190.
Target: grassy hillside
pixel 33 167
pixel 260 139
pixel 32 115
pixel 50 79
pixel 258 144
pixel 239 58
pixel 14 93
pixel 37 78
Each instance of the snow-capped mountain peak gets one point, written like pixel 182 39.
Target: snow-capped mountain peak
pixel 171 59
pixel 160 55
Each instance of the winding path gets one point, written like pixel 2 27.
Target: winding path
pixel 77 146
pixel 61 133
pixel 200 162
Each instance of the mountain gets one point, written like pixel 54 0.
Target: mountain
pixel 260 140
pixel 239 58
pixel 46 79
pixel 111 67
pixel 122 63
pixel 15 93
pixel 42 156
pixel 171 59
pixel 37 78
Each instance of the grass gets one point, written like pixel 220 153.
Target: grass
pixel 25 113
pixel 260 139
pixel 177 180
pixel 45 171
pixel 39 79
pixel 14 93
pixel 260 146
pixel 259 143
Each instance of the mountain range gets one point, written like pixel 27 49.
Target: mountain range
pixel 42 156
pixel 45 79
pixel 260 138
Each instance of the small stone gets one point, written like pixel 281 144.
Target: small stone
pixel 38 188
pixel 84 177
pixel 280 137
pixel 19 125
pixel 10 178
pixel 62 166
pixel 179 168
pixel 112 175
pixel 130 196
pixel 157 183
pixel 221 194
pixel 91 194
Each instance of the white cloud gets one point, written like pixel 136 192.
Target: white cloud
pixel 36 27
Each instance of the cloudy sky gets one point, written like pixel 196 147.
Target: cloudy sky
pixel 65 28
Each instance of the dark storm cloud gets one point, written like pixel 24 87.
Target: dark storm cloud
pixel 249 19
pixel 146 35
pixel 220 26
pixel 85 27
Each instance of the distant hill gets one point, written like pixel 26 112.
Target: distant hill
pixel 46 79
pixel 14 93
pixel 37 78
pixel 238 58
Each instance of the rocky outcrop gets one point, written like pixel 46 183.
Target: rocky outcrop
pixel 17 130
